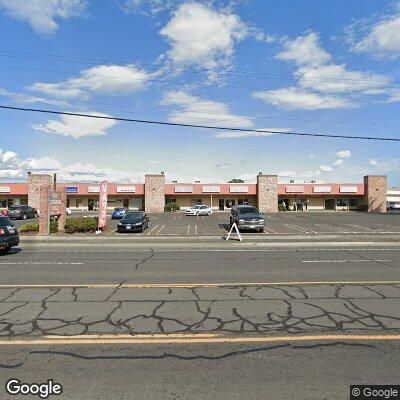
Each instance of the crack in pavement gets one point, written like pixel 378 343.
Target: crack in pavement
pixel 166 355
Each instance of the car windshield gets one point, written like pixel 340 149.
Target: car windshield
pixel 248 210
pixel 14 207
pixel 4 221
pixel 133 215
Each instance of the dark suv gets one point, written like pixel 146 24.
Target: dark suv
pixel 22 212
pixel 8 235
pixel 247 217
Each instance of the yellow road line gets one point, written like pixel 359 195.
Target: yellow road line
pixel 189 338
pixel 198 284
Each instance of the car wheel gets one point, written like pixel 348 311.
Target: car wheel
pixel 5 250
pixel 36 215
pixel 24 217
pixel 209 213
pixel 261 230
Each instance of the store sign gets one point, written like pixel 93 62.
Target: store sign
pixel 5 189
pixel 126 189
pixel 294 189
pixel 183 189
pixel 238 189
pixel 103 205
pixel 348 189
pixel 72 189
pixel 93 189
pixel 211 189
pixel 54 203
pixel 322 189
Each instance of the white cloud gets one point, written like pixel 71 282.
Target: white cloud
pixel 337 163
pixel 333 78
pixel 296 175
pixel 22 98
pixel 320 81
pixel 383 37
pixel 372 161
pixel 293 98
pixel 239 134
pixel 343 154
pixel 45 163
pixel 153 162
pixel 304 50
pixel 325 168
pixel 202 36
pixel 150 7
pixel 41 14
pixel 222 165
pixel 101 79
pixel 198 111
pixel 77 127
pixel 8 157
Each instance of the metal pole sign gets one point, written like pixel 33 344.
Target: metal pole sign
pixel 234 227
pixel 103 205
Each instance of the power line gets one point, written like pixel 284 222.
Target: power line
pixel 89 61
pixel 222 128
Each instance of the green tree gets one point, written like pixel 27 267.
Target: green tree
pixel 236 180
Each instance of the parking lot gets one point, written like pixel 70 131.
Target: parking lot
pixel 289 223
pixel 177 224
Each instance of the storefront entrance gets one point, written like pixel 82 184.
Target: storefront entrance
pixel 330 204
pixel 221 204
pixel 126 203
pixel 90 204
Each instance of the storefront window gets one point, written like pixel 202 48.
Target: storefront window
pixel 341 202
pixel 196 202
pixel 243 202
pixel 170 200
pixel 79 203
pixel 353 203
pixel 3 203
pixel 229 203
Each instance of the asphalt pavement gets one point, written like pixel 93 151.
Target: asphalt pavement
pixel 123 321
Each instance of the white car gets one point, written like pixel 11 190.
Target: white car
pixel 199 210
pixel 391 205
pixel 69 211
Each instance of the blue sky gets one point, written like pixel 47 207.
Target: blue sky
pixel 306 66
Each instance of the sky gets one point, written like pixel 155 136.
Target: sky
pixel 302 66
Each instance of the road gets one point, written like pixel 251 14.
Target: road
pixel 121 322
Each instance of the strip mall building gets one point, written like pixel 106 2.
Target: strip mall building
pixel 154 193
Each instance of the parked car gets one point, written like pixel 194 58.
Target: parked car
pixel 9 235
pixel 22 212
pixel 118 213
pixel 69 211
pixel 199 210
pixel 247 217
pixel 392 205
pixel 133 221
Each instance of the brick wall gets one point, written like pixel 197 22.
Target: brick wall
pixel 35 182
pixel 375 193
pixel 154 193
pixel 267 193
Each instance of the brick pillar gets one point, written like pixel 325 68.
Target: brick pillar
pixel 154 193
pixel 44 224
pixel 375 193
pixel 267 193
pixel 63 217
pixel 35 182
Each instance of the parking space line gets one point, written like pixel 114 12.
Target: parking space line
pixel 331 227
pixel 291 226
pixel 188 230
pixel 174 218
pixel 195 230
pixel 151 230
pixel 270 230
pixel 158 232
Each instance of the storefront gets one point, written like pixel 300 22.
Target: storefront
pixel 317 197
pixel 13 195
pixel 218 196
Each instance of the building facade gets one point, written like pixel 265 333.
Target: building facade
pixel 267 194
